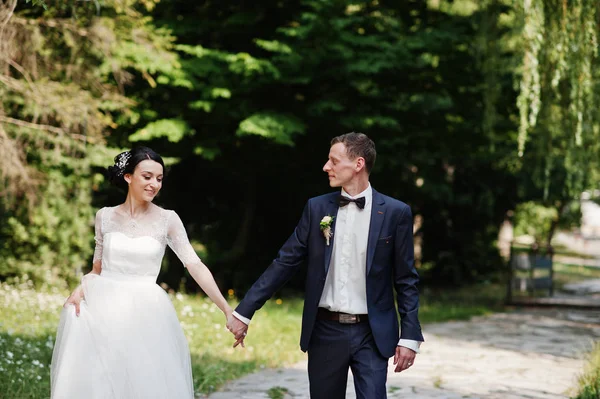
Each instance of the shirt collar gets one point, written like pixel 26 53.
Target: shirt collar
pixel 367 193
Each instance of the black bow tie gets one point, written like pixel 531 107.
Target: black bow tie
pixel 343 201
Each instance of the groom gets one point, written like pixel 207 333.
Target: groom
pixel 358 246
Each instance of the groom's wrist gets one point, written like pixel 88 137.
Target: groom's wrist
pixel 410 344
pixel 241 318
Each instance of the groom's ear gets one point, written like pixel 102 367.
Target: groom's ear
pixel 360 164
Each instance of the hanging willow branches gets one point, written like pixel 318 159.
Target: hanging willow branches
pixel 559 89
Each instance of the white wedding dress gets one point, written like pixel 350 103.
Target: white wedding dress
pixel 127 342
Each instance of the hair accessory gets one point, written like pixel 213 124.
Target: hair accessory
pixel 121 161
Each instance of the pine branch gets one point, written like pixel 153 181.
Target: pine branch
pixel 47 128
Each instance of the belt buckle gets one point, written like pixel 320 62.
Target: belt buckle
pixel 348 318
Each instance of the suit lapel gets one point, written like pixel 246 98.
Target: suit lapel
pixel 377 217
pixel 331 209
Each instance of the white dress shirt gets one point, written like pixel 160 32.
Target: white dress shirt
pixel 345 287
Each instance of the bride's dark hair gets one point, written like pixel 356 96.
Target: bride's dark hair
pixel 126 162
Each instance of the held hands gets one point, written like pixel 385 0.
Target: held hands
pixel 238 329
pixel 75 299
pixel 403 359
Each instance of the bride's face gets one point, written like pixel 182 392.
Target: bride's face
pixel 146 180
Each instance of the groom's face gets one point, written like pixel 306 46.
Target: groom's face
pixel 340 169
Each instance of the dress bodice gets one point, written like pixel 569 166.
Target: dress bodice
pixel 135 247
pixel 140 256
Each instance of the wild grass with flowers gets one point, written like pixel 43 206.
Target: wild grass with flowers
pixel 27 328
pixel 30 318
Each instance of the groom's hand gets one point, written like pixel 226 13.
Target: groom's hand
pixel 239 330
pixel 404 358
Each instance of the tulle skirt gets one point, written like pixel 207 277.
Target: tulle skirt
pixel 127 343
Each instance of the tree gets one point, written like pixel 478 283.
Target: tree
pixel 64 69
pixel 408 74
pixel 559 130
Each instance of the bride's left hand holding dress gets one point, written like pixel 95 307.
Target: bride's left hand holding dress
pixel 119 336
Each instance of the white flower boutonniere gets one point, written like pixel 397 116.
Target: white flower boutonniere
pixel 325 225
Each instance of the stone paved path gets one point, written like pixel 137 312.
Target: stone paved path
pixel 529 353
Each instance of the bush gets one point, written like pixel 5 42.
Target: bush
pixel 534 220
pixel 589 381
pixel 50 239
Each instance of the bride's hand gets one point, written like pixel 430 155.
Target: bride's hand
pixel 238 329
pixel 75 299
pixel 230 319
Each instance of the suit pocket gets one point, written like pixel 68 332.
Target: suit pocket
pixel 385 241
pixel 384 251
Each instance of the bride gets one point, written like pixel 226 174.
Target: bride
pixel 119 336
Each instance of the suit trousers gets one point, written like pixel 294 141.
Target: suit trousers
pixel 335 348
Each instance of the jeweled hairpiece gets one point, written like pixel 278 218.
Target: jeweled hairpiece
pixel 121 162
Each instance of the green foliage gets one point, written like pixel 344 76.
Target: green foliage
pixel 589 381
pixel 277 392
pixel 241 64
pixel 279 128
pixel 558 101
pixel 37 3
pixel 134 43
pixel 244 106
pixel 306 71
pixel 62 91
pixel 540 221
pixel 535 220
pixel 172 129
pixel 570 215
pixel 274 46
pixel 50 242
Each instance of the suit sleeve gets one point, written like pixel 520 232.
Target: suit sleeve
pixel 289 259
pixel 406 279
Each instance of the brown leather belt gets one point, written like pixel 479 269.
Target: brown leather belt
pixel 343 318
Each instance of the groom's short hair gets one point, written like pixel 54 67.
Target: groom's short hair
pixel 358 145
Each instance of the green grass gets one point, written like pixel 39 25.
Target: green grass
pixel 27 328
pixel 589 381
pixel 558 250
pixel 30 318
pixel 568 273
pixel 277 392
pixel 273 340
pixel 438 305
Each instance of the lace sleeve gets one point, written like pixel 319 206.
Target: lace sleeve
pixel 98 236
pixel 178 241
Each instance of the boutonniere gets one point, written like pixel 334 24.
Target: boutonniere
pixel 325 225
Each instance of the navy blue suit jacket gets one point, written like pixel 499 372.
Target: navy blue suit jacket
pixel 389 266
